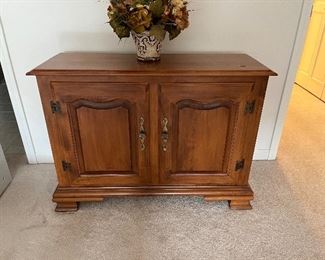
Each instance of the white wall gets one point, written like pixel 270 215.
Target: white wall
pixel 37 30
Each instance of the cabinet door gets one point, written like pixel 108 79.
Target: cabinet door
pixel 103 129
pixel 203 132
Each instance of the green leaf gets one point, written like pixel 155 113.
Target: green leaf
pixel 158 31
pixel 139 29
pixel 114 23
pixel 173 32
pixel 156 7
pixel 121 30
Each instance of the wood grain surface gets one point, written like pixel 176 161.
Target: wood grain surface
pixel 186 125
pixel 193 64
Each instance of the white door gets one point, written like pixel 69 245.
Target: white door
pixel 311 73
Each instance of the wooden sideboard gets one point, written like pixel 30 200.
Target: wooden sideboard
pixel 186 125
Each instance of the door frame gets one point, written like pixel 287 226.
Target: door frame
pixel 15 98
pixel 297 49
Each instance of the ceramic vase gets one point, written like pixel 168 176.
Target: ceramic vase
pixel 148 46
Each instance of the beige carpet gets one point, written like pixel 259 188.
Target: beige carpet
pixel 287 222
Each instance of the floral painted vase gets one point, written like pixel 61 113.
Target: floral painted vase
pixel 148 46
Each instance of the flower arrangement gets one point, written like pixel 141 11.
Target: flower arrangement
pixel 154 16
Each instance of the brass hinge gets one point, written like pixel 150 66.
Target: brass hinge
pixel 240 165
pixel 55 107
pixel 66 166
pixel 250 107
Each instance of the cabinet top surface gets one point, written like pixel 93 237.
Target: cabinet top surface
pixel 83 63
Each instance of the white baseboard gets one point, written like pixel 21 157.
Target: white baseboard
pixel 261 154
pixel 45 159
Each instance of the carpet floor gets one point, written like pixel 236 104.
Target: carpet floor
pixel 287 220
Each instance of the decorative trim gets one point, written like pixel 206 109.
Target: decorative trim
pixel 65 194
pixel 68 198
pixel 202 106
pixel 115 103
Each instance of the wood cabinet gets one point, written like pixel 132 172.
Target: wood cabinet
pixel 186 125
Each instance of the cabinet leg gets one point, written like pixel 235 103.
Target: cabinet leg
pixel 66 206
pixel 240 204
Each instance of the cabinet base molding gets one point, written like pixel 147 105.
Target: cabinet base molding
pixel 67 206
pixel 240 204
pixel 67 198
pixel 236 202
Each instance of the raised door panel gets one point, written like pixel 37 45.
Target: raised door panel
pixel 202 132
pixel 104 135
pixel 100 125
pixel 201 136
pixel 311 72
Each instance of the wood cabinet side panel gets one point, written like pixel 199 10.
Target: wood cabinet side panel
pixel 57 151
pixel 251 129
